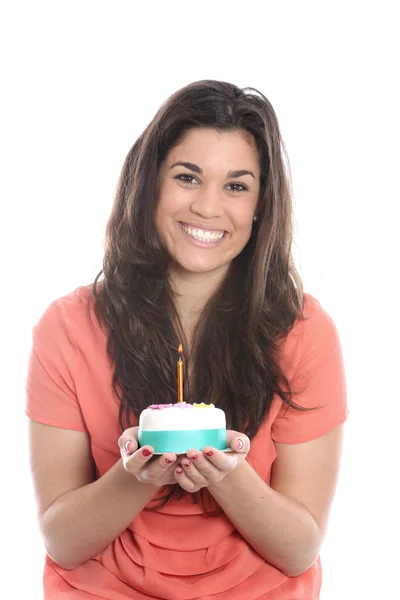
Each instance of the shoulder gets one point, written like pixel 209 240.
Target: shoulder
pixel 70 316
pixel 56 372
pixel 318 327
pixel 316 334
pixel 318 323
pixel 311 305
pixel 313 311
pixel 317 348
pixel 314 361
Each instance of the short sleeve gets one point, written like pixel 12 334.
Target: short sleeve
pixel 321 382
pixel 50 390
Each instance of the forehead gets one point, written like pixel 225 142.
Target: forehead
pixel 206 146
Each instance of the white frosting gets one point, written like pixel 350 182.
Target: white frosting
pixel 173 419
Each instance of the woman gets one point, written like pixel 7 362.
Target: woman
pixel 198 251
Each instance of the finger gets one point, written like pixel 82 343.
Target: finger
pixel 155 469
pixel 128 441
pixel 210 463
pixel 239 442
pixel 194 474
pixel 184 480
pixel 161 464
pixel 135 462
pixel 128 447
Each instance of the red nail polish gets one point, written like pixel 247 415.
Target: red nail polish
pixel 186 464
pixel 195 457
pixel 209 453
pixel 146 452
pixel 169 461
pixel 179 471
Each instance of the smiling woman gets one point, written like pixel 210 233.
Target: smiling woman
pixel 198 251
pixel 207 211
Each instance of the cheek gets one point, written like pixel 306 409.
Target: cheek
pixel 169 206
pixel 170 202
pixel 244 219
pixel 158 218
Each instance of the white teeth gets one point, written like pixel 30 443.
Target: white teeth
pixel 202 235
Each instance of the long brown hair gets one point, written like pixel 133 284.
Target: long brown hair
pixel 239 332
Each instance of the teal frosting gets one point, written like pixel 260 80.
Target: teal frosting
pixel 182 441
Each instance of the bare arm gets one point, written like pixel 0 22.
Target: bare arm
pixel 78 515
pixel 285 522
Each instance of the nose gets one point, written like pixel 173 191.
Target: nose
pixel 207 202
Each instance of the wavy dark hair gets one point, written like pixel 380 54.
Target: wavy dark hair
pixel 239 332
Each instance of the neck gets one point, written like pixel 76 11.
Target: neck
pixel 192 291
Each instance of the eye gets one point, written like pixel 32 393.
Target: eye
pixel 185 178
pixel 239 187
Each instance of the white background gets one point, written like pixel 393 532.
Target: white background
pixel 81 80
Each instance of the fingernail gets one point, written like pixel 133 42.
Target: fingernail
pixel 195 457
pixel 209 453
pixel 240 444
pixel 127 446
pixel 186 464
pixel 146 452
pixel 169 461
pixel 179 471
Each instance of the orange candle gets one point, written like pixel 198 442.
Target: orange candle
pixel 180 375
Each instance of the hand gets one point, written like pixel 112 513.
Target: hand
pixel 201 469
pixel 147 468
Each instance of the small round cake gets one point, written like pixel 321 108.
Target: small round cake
pixel 181 427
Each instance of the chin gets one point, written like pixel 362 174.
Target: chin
pixel 200 268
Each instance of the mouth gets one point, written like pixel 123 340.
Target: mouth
pixel 205 236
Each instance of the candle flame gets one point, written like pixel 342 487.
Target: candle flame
pixel 180 349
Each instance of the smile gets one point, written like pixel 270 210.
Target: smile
pixel 202 235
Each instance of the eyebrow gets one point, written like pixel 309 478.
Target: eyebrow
pixel 196 169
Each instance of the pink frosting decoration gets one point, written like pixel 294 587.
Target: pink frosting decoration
pixel 177 405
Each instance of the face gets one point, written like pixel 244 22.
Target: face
pixel 208 190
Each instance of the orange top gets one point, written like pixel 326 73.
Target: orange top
pixel 176 553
